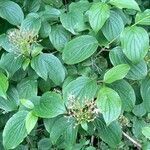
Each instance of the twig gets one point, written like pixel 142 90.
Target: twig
pixel 100 81
pixel 98 144
pixel 132 140
pixel 92 140
pixel 66 5
pixel 103 49
pixel 29 141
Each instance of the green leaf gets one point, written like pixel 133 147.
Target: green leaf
pixel 58 129
pixel 81 6
pixel 48 66
pixel 7 106
pixel 146 145
pixel 126 19
pixel 143 18
pixel 139 110
pixel 138 124
pixel 50 14
pixel 45 29
pixel 126 93
pixel 31 120
pixel 111 134
pixel 81 89
pixel 84 125
pixel 109 104
pixel 64 126
pixel 53 3
pixel 130 4
pixel 32 23
pixel 145 90
pixel 113 26
pixel 36 49
pixel 27 88
pixel 98 14
pixel 51 105
pixel 73 21
pixel 10 63
pixel 59 37
pixel 15 130
pixel 116 73
pixel 49 123
pixel 135 43
pixel 79 49
pixel 90 148
pixel 25 64
pixel 32 6
pixel 146 132
pixel 27 103
pixel 44 144
pixel 137 71
pixel 12 101
pixel 3 85
pixel 70 139
pixel 19 75
pixel 11 12
pixel 45 86
pixel 2 37
pixel 6 44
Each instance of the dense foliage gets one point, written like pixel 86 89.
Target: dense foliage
pixel 74 74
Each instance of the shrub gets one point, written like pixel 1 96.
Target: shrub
pixel 74 74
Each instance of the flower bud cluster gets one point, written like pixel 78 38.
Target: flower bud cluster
pixel 123 121
pixel 85 112
pixel 21 41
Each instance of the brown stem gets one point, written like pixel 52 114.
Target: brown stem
pixel 138 145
